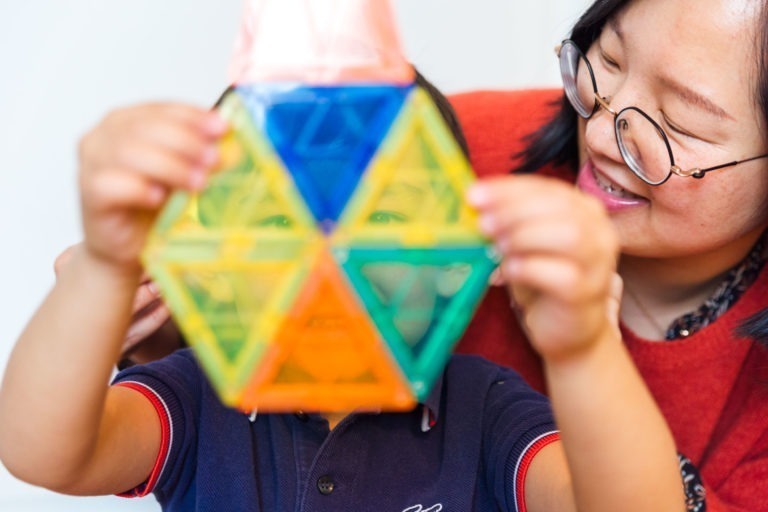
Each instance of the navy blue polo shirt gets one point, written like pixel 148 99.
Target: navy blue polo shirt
pixel 467 448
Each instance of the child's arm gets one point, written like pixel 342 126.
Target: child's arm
pixel 152 334
pixel 60 426
pixel 560 252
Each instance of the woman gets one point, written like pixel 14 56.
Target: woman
pixel 658 94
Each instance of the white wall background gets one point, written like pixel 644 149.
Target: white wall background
pixel 64 64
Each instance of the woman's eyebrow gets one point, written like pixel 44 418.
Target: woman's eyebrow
pixel 693 98
pixel 685 93
pixel 614 25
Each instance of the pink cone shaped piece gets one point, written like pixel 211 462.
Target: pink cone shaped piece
pixel 319 42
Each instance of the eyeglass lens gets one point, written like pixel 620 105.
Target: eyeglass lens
pixel 642 146
pixel 577 80
pixel 640 140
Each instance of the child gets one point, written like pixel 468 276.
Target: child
pixel 483 440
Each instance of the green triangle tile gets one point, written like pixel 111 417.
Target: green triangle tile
pixel 420 299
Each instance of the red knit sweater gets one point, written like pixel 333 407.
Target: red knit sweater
pixel 711 387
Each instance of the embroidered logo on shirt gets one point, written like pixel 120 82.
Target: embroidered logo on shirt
pixel 420 508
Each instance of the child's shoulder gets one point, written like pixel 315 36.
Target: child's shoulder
pixel 474 378
pixel 482 397
pixel 178 371
pixel 472 365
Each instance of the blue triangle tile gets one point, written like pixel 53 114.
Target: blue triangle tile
pixel 326 136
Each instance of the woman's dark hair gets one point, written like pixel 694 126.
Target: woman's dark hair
pixel 756 326
pixel 446 111
pixel 556 141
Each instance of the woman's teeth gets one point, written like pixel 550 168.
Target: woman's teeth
pixel 612 188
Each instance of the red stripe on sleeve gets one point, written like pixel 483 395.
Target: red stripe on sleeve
pixel 165 437
pixel 525 462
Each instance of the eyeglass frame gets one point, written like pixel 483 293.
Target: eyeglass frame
pixel 604 102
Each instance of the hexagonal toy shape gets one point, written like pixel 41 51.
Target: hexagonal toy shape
pixel 331 263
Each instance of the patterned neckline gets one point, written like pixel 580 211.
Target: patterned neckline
pixel 735 283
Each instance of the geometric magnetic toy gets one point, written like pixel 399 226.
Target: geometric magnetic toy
pixel 331 263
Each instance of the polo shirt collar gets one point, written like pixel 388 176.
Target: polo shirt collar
pixel 430 408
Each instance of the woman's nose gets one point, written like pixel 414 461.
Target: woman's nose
pixel 600 135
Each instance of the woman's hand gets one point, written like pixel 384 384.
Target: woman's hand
pixel 559 252
pixel 128 165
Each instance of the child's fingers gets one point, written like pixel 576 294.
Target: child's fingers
pixel 110 189
pixel 62 259
pixel 572 238
pixel 514 201
pixel 181 140
pixel 187 131
pixel 614 299
pixel 489 193
pixel 208 122
pixel 557 277
pixel 570 207
pixel 496 278
pixel 162 166
pixel 552 236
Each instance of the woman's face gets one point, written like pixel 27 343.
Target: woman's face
pixel 691 65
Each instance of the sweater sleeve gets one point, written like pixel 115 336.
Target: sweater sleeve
pixel 173 387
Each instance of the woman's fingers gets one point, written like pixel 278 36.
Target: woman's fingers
pixel 146 294
pixel 144 325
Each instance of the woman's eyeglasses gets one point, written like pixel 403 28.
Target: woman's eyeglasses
pixel 642 142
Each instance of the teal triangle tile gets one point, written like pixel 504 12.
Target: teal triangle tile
pixel 326 136
pixel 421 300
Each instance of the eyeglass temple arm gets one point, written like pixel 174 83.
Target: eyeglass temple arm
pixel 699 173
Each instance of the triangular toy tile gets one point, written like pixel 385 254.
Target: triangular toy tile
pixel 327 356
pixel 421 300
pixel 325 136
pixel 414 190
pixel 319 42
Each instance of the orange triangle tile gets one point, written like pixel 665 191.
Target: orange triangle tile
pixel 328 356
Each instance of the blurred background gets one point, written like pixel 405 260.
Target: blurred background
pixel 63 65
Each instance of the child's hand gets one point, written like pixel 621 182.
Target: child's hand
pixel 559 252
pixel 128 165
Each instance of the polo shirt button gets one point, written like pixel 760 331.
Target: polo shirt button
pixel 325 485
